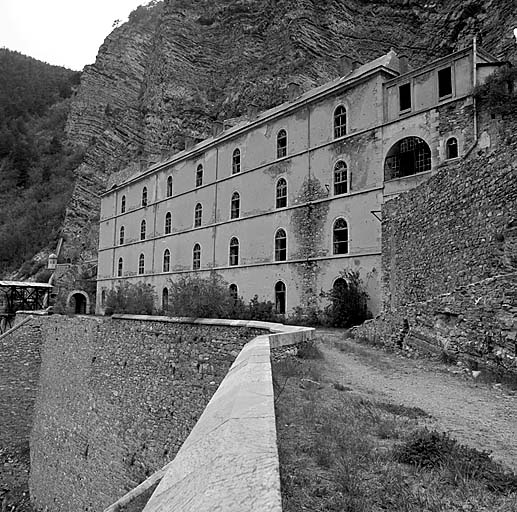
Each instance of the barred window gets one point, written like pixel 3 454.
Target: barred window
pixel 339 122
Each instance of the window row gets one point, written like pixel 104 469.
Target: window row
pixel 340 130
pixel 340 242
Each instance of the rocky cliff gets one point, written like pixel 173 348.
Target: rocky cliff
pixel 177 65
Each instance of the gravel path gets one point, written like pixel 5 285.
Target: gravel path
pixel 477 414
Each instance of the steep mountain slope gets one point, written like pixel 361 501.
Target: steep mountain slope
pixel 177 65
pixel 36 177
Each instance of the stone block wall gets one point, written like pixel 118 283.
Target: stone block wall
pixel 117 398
pixel 457 228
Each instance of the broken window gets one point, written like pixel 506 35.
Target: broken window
pixel 236 161
pixel 196 257
pixel 405 97
pixel 407 157
pixel 281 193
pixel 340 236
pixel 339 122
pixel 280 245
pixel 451 148
pixel 340 178
pixel 444 82
pixel 234 252
pixel 235 208
pixel 280 298
pixel 281 144
pixel 198 215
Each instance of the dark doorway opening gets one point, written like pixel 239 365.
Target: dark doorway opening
pixel 79 304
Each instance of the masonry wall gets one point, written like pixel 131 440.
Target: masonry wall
pixel 459 227
pixel 116 400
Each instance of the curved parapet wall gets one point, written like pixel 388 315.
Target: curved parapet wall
pixel 229 462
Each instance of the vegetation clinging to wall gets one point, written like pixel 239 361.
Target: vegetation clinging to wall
pixel 137 299
pixel 499 92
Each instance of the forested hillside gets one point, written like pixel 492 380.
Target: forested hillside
pixel 36 163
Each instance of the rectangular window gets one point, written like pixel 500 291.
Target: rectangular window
pixel 444 82
pixel 405 97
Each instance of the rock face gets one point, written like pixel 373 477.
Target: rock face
pixel 178 65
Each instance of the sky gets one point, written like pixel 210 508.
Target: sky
pixel 61 32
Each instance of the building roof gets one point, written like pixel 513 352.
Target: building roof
pixel 24 284
pixel 387 62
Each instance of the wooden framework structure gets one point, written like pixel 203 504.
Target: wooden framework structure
pixel 20 296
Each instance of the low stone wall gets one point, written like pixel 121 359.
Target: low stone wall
pixel 116 400
pixel 477 323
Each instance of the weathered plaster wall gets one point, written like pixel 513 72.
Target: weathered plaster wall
pixel 116 400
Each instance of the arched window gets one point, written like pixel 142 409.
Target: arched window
pixel 199 175
pixel 169 186
pixel 407 157
pixel 142 230
pixel 198 215
pixel 452 148
pixel 121 235
pixel 168 223
pixel 281 144
pixel 123 204
pixel 340 178
pixel 340 236
pixel 120 267
pixel 280 297
pixel 196 257
pixel 167 260
pixel 236 161
pixel 234 252
pixel 144 196
pixel 141 264
pixel 281 193
pixel 280 245
pixel 235 209
pixel 165 299
pixel 234 291
pixel 103 298
pixel 339 122
pixel 339 287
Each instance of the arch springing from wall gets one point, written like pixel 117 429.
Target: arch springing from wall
pixel 406 157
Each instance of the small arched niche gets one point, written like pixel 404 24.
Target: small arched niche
pixel 408 156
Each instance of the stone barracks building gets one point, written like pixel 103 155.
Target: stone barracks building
pixel 280 204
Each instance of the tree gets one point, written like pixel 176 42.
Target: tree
pixel 133 299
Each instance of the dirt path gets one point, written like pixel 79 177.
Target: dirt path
pixel 474 413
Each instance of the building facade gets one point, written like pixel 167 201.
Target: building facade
pixel 282 203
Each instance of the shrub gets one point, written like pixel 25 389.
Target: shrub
pixel 499 92
pixel 348 301
pixel 135 299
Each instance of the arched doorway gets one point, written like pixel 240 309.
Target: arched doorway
pixel 78 302
pixel 408 156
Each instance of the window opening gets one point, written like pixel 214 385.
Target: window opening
pixel 120 267
pixel 123 204
pixel 340 178
pixel 444 82
pixel 340 236
pixel 103 298
pixel 236 161
pixel 165 299
pixel 281 193
pixel 169 186
pixel 234 292
pixel 196 257
pixel 168 223
pixel 234 252
pixel 405 97
pixel 144 196
pixel 280 245
pixel 121 235
pixel 198 215
pixel 339 122
pixel 235 206
pixel 452 148
pixel 280 298
pixel 199 175
pixel 167 260
pixel 281 144
pixel 141 264
pixel 407 157
pixel 142 230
